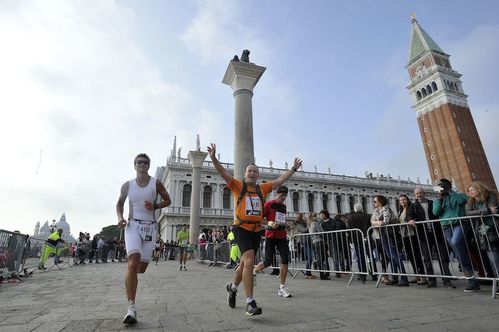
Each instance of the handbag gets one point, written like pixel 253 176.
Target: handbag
pixel 487 233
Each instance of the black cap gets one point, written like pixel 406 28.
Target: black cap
pixel 282 189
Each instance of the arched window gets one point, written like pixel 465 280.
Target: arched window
pixel 423 91
pixel 324 201
pixel 310 199
pixel 428 89
pixel 434 86
pixel 226 198
pixel 364 204
pixel 351 202
pixel 186 195
pixel 455 86
pixel 418 95
pixel 207 196
pixel 338 203
pixel 296 197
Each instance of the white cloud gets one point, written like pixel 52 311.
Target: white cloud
pixel 216 32
pixel 75 84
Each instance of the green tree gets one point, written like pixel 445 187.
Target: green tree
pixel 110 231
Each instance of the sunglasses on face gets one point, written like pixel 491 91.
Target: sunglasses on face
pixel 143 162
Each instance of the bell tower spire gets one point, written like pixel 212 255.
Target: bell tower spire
pixel 451 142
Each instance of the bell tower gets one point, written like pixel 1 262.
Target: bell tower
pixel 451 142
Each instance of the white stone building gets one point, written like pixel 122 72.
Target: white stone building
pixel 45 230
pixel 308 191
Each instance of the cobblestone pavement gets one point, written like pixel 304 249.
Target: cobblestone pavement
pixel 92 298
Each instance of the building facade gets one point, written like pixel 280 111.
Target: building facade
pixel 451 142
pixel 45 230
pixel 308 192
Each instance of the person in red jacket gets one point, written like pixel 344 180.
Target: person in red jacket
pixel 275 237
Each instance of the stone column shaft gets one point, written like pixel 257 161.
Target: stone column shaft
pixel 242 78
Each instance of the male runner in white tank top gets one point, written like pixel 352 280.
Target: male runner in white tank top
pixel 140 229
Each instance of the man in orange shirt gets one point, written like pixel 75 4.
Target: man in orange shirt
pixel 249 198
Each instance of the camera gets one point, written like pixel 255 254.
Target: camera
pixel 438 188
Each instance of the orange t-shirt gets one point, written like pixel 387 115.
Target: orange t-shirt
pixel 250 208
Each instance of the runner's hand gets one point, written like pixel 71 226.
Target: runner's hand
pixel 149 205
pixel 297 163
pixel 122 223
pixel 212 150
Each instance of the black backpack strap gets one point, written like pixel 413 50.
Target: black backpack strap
pixel 259 193
pixel 242 193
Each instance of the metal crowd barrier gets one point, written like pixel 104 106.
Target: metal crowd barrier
pixel 330 252
pixel 468 249
pixel 214 254
pixel 12 248
pixel 36 251
pixel 429 250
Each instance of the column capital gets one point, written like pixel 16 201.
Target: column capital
pixel 242 75
pixel 196 158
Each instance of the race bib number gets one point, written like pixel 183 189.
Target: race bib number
pixel 145 231
pixel 280 218
pixel 253 206
pixel 185 242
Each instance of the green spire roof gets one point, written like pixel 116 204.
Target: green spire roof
pixel 421 42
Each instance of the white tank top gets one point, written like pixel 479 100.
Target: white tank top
pixel 136 197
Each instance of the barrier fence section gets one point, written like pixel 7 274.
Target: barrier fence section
pixel 38 248
pixel 452 248
pixel 330 252
pixel 12 248
pixel 213 254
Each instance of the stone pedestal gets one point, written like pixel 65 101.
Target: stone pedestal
pixel 196 158
pixel 242 78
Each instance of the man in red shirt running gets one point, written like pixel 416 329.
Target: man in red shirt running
pixel 275 237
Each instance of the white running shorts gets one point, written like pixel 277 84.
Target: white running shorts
pixel 135 239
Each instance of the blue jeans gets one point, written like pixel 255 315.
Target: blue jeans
pixel 393 255
pixel 307 250
pixel 454 235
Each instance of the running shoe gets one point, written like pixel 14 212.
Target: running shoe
pixel 131 315
pixel 252 309
pixel 283 291
pixel 231 298
pixel 470 289
pixel 185 269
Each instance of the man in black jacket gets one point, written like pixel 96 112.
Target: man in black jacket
pixel 362 221
pixel 328 226
pixel 338 243
pixel 431 237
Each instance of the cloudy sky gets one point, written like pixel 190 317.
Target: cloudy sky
pixel 86 85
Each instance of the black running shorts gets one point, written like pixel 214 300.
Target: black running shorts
pixel 247 240
pixel 283 247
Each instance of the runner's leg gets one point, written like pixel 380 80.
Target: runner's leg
pixel 247 261
pixel 131 280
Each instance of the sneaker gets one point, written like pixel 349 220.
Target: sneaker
pixel 231 298
pixel 470 289
pixel 284 292
pixel 311 277
pixel 449 284
pixel 180 268
pixel 185 269
pixel 131 315
pixel 252 309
